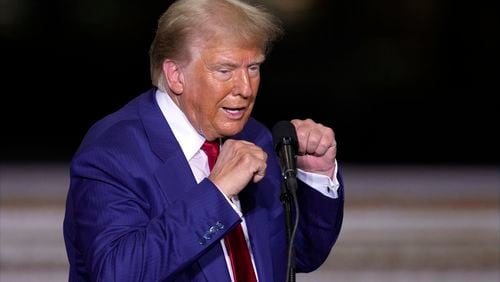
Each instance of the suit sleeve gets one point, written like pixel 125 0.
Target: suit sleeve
pixel 118 236
pixel 320 217
pixel 320 223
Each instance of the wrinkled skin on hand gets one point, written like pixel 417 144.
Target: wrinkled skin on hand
pixel 238 163
pixel 317 147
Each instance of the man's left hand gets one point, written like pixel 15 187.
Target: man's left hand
pixel 317 147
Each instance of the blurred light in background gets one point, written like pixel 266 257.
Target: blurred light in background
pixel 292 12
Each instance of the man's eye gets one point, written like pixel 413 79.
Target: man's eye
pixel 223 74
pixel 254 70
pixel 224 71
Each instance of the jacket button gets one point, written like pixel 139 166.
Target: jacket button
pixel 219 224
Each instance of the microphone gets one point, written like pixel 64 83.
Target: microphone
pixel 286 146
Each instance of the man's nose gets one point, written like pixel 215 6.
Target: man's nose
pixel 243 85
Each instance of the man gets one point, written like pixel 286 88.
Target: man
pixel 143 203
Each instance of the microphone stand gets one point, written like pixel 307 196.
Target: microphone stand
pixel 285 138
pixel 288 188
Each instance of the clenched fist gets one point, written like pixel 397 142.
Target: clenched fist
pixel 239 162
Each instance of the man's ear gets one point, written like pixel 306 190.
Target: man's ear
pixel 173 76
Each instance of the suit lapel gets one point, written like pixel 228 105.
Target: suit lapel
pixel 175 172
pixel 256 202
pixel 160 136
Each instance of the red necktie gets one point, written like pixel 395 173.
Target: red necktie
pixel 236 246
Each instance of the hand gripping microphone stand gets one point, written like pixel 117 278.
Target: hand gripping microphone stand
pixel 285 144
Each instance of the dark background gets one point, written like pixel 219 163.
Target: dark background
pixel 400 82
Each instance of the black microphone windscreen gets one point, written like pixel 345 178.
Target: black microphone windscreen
pixel 284 129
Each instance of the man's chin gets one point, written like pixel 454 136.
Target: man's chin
pixel 232 128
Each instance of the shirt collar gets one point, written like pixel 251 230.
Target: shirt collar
pixel 188 138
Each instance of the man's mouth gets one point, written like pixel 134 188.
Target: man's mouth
pixel 233 110
pixel 234 113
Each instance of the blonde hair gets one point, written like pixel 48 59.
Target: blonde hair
pixel 186 21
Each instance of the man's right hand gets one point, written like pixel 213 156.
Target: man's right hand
pixel 238 163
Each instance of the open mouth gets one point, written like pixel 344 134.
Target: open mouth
pixel 234 112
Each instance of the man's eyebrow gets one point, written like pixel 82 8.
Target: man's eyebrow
pixel 226 64
pixel 230 64
pixel 233 65
pixel 259 60
pixel 257 63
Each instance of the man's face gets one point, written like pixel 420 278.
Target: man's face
pixel 220 87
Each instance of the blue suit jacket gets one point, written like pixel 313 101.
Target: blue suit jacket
pixel 134 211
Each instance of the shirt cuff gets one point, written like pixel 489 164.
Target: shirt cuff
pixel 234 202
pixel 321 183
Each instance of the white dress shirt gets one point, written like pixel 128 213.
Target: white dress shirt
pixel 191 141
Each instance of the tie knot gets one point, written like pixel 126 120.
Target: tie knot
pixel 211 148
